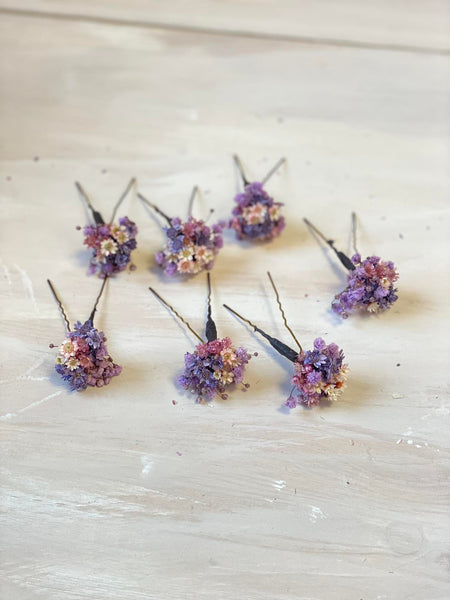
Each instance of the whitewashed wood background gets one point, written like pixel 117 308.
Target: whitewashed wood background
pixel 119 493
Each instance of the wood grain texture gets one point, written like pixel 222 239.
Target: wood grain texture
pixel 412 25
pixel 119 493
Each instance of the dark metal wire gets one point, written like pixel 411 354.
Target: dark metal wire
pixel 211 329
pixel 171 308
pixel 345 260
pixel 241 317
pixel 91 317
pixel 273 170
pixel 97 216
pixel 155 208
pixel 191 200
pixel 60 304
pixel 319 233
pixel 354 223
pixel 279 346
pixel 282 311
pixel 84 194
pixel 131 183
pixel 237 160
pixel 208 280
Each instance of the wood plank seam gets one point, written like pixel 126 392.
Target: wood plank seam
pixel 296 39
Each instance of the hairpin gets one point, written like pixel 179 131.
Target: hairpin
pixel 257 216
pixel 215 364
pixel 318 373
pixel 83 358
pixel 191 245
pixel 370 282
pixel 111 244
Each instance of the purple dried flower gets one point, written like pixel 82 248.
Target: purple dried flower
pixel 83 358
pixel 318 374
pixel 370 287
pixel 257 216
pixel 112 246
pixel 191 246
pixel 212 368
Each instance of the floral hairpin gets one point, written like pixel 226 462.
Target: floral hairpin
pixel 319 374
pixel 191 245
pixel 111 243
pixel 83 358
pixel 215 364
pixel 257 216
pixel 370 282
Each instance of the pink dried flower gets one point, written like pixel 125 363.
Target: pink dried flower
pixel 257 216
pixel 370 287
pixel 191 246
pixel 318 374
pixel 207 374
pixel 90 365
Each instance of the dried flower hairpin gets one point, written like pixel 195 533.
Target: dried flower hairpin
pixel 111 243
pixel 191 245
pixel 318 373
pixel 215 364
pixel 370 282
pixel 83 358
pixel 257 216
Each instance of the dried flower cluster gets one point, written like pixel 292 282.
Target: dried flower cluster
pixel 257 216
pixel 112 246
pixel 83 358
pixel 370 287
pixel 191 246
pixel 318 374
pixel 212 368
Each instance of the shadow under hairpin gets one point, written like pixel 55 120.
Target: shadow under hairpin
pixel 191 246
pixel 370 282
pixel 319 374
pixel 111 244
pixel 257 216
pixel 83 358
pixel 215 364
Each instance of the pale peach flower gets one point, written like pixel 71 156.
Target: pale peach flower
pixel 108 247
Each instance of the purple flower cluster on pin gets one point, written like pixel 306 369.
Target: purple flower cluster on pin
pixel 212 368
pixel 257 216
pixel 112 246
pixel 191 246
pixel 318 374
pixel 370 287
pixel 83 358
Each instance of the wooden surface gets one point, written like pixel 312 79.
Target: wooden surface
pixel 119 493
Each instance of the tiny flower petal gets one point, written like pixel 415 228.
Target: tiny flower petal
pixel 112 246
pixel 191 247
pixel 257 216
pixel 205 374
pixel 319 374
pixel 370 287
pixel 88 362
